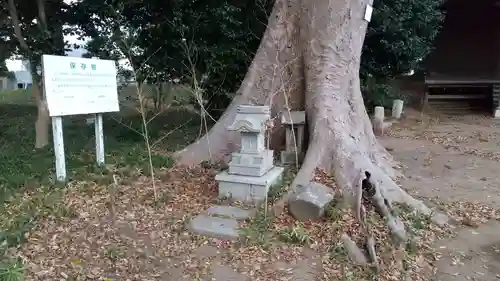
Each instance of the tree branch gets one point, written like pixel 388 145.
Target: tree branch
pixel 16 24
pixel 41 15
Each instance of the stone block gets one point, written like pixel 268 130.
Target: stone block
pixel 288 157
pixel 245 188
pixel 229 212
pixel 309 201
pixel 222 228
pixel 254 165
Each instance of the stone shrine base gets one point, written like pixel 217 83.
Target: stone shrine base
pixel 247 188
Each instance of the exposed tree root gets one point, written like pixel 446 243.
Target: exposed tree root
pixel 353 251
pixel 310 54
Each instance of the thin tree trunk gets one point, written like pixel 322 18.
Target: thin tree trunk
pixel 43 119
pixel 310 53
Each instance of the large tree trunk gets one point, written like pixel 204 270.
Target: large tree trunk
pixel 310 56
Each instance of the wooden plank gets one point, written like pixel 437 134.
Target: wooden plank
pixel 459 85
pixel 465 80
pixel 457 97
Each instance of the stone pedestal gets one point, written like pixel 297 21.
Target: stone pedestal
pixel 247 188
pixel 251 171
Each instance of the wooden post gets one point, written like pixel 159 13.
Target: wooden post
pixel 99 139
pixel 99 136
pixel 57 132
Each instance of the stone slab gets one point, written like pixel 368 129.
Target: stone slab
pixel 293 118
pixel 268 178
pixel 215 227
pixel 253 109
pixel 245 188
pixel 255 165
pixel 229 212
pixel 288 157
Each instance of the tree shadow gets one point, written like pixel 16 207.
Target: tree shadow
pixel 22 166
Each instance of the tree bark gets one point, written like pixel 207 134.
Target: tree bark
pixel 309 57
pixel 42 119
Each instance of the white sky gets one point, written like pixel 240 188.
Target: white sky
pixel 15 65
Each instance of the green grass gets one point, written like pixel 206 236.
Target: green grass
pixel 19 97
pixel 21 165
pixel 26 170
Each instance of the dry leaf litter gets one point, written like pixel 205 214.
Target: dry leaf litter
pixel 120 233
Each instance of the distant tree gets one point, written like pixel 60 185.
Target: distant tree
pixel 30 33
pixel 398 38
pixel 400 35
pixel 4 71
pixel 210 42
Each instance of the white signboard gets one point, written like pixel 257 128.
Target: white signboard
pixel 79 86
pixel 368 13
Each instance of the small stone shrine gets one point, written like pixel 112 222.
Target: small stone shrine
pixel 251 171
pixel 294 122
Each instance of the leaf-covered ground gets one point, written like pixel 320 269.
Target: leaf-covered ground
pixel 117 232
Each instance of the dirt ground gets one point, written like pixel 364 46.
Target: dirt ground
pixel 455 159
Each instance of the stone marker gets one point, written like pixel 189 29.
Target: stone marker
pixel 250 175
pixel 309 202
pixel 397 108
pixel 251 169
pixel 378 120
